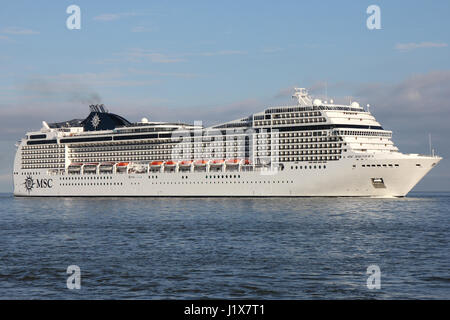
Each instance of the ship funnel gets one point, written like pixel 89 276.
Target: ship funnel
pixel 99 108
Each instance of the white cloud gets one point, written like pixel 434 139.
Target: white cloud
pixel 272 50
pixel 164 74
pixel 18 31
pixel 139 55
pixel 142 29
pixel 113 16
pixel 221 53
pixel 414 45
pixel 284 92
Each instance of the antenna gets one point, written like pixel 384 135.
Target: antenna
pixel 429 142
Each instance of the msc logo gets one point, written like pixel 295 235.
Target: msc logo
pixel 39 183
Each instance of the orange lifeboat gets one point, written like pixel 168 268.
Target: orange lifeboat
pixel 200 163
pixel 122 164
pixel 186 163
pixel 156 163
pixel 233 161
pixel 170 163
pixel 217 162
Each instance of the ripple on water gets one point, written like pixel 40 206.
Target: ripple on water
pixel 307 248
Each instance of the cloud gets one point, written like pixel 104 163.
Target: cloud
pixel 139 55
pixel 138 29
pixel 113 16
pixel 417 94
pixel 18 31
pixel 285 92
pixel 413 45
pixel 221 53
pixel 272 50
pixel 163 74
pixel 78 88
pixel 3 37
pixel 101 79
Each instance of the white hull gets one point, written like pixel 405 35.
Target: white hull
pixel 347 177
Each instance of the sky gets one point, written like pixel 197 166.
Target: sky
pixel 216 61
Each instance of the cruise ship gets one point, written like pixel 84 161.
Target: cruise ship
pixel 310 148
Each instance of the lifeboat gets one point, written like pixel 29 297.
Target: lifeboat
pixel 156 163
pixel 76 164
pixel 90 167
pixel 74 167
pixel 217 162
pixel 170 163
pixel 200 163
pixel 233 161
pixel 106 166
pixel 122 164
pixel 186 163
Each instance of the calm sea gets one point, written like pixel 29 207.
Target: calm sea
pixel 166 248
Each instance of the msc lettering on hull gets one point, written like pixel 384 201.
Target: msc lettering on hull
pixel 30 183
pixel 44 183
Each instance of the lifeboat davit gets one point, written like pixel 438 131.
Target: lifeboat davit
pixel 200 163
